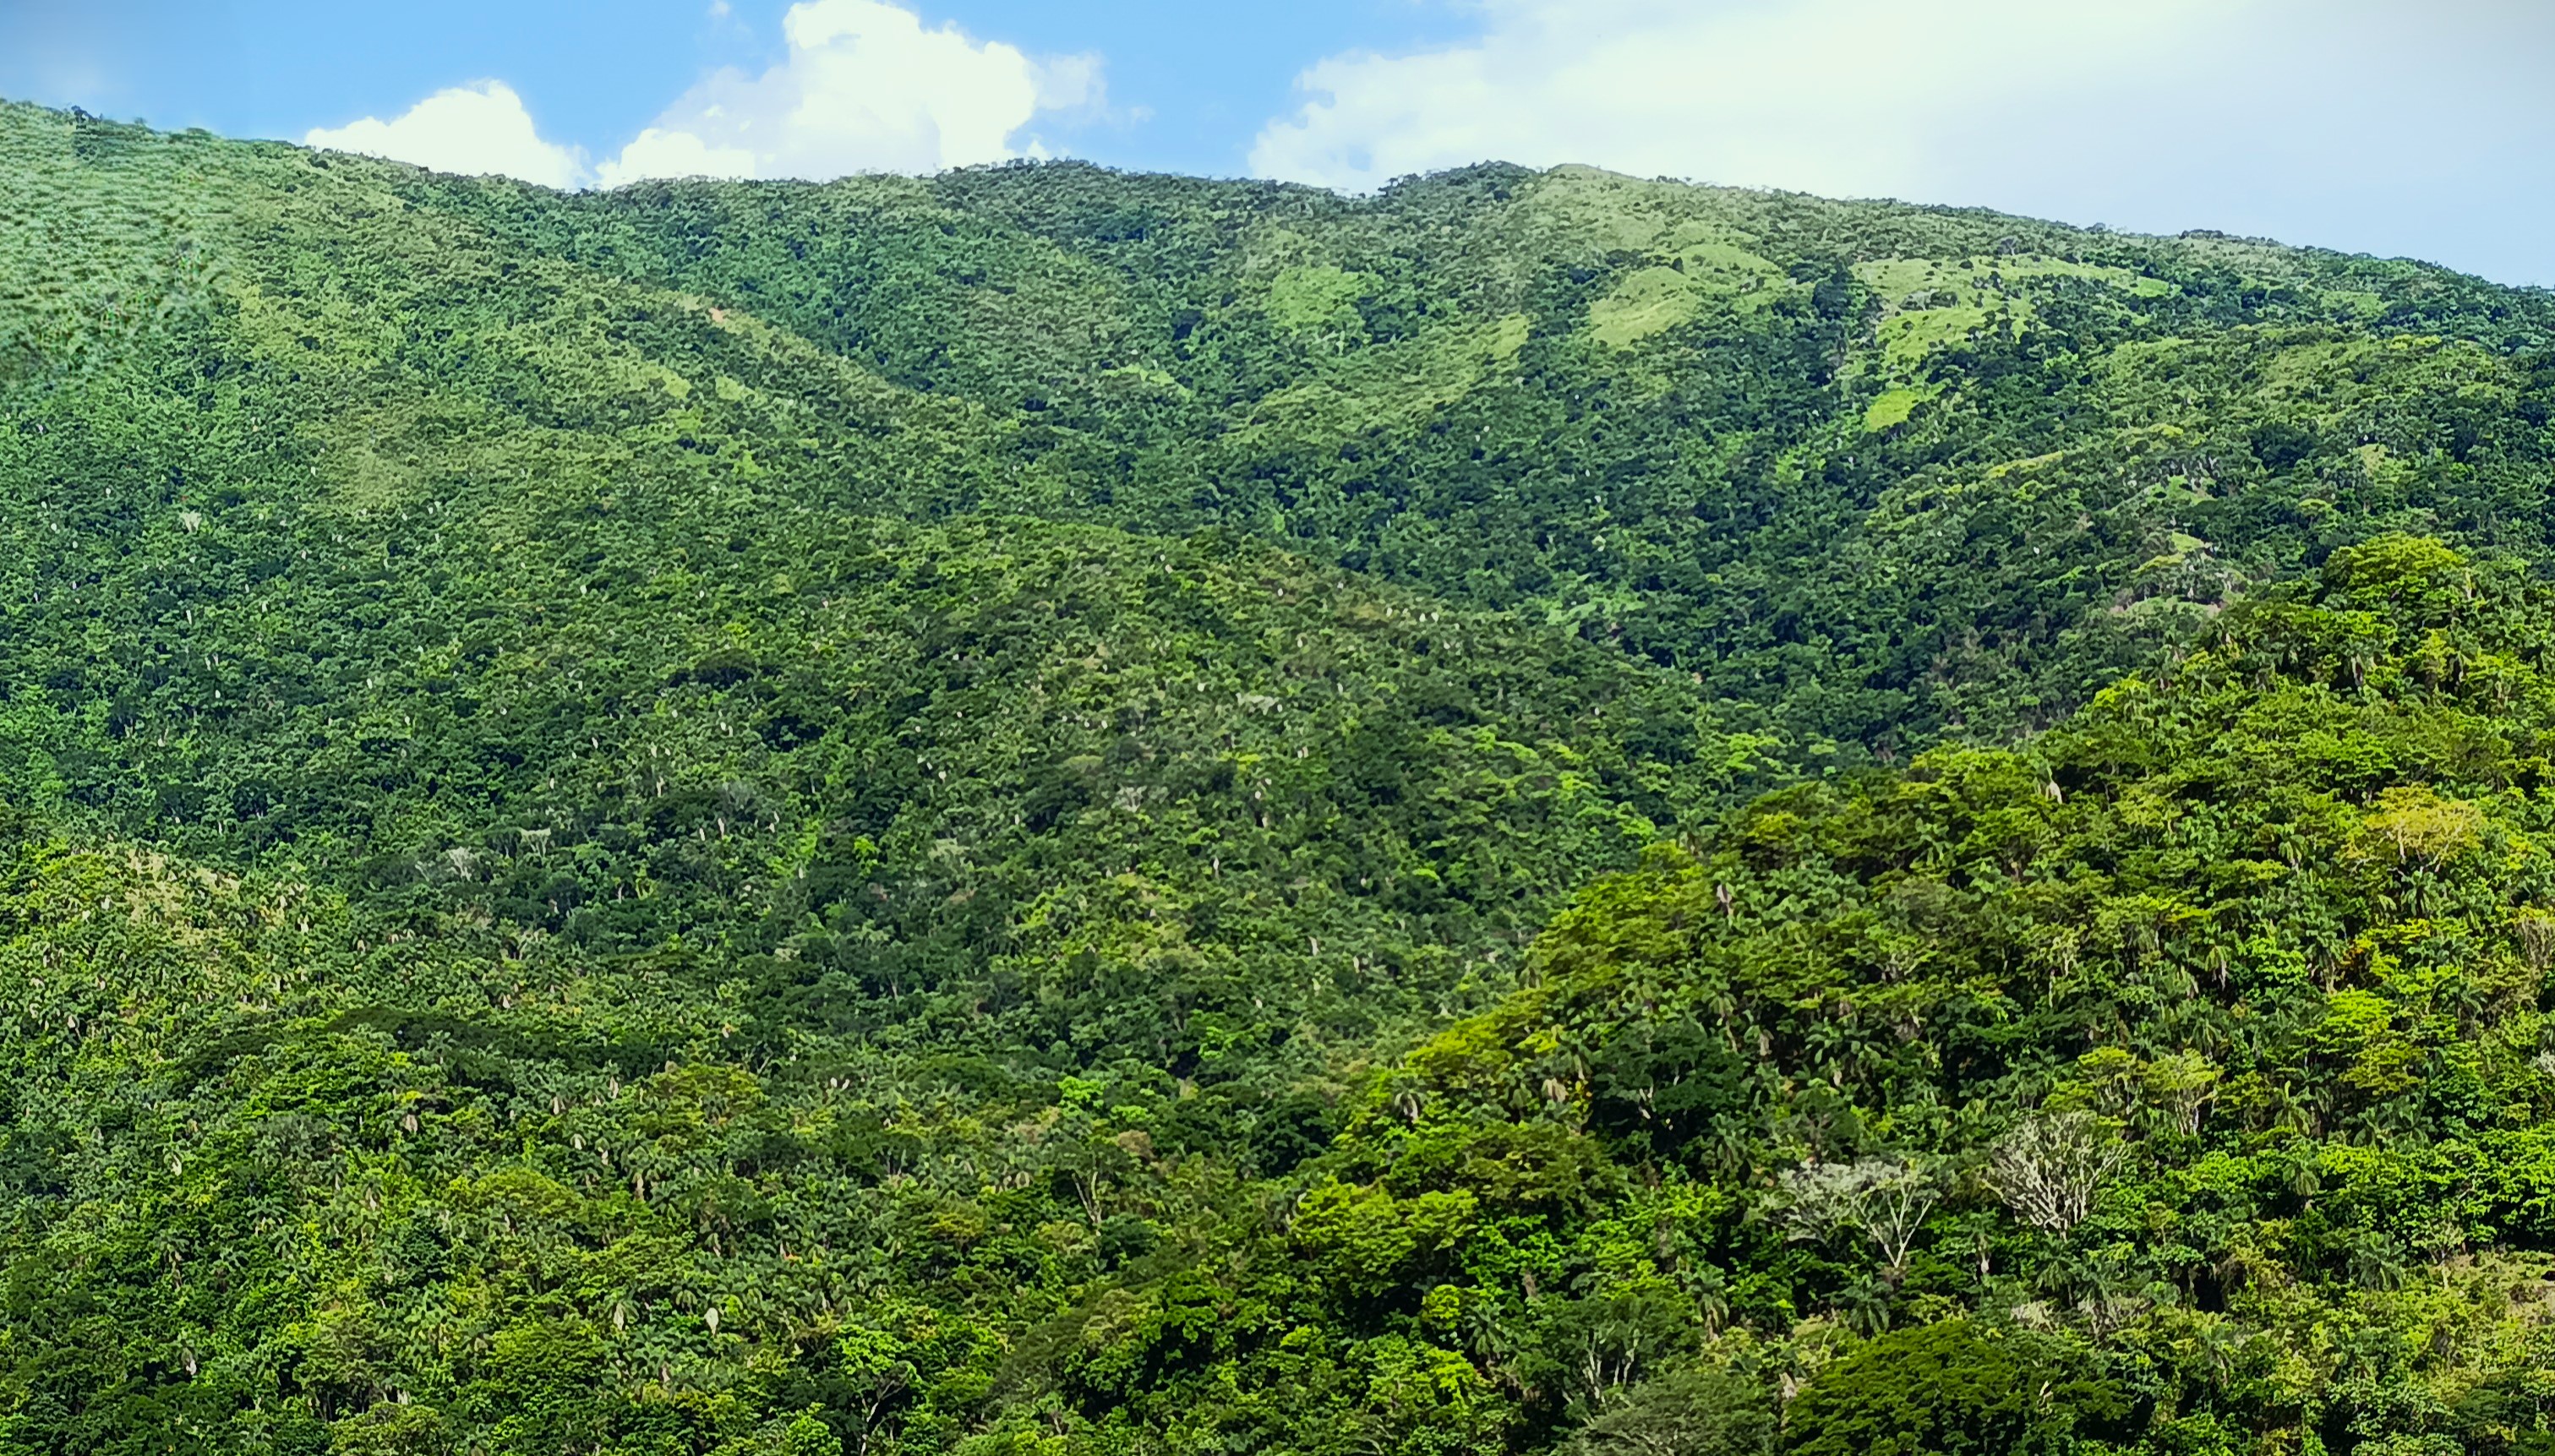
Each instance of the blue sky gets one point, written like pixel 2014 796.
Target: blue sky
pixel 1200 78
pixel 2387 126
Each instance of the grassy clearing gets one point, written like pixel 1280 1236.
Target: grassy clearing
pixel 1311 298
pixel 1891 410
pixel 1651 300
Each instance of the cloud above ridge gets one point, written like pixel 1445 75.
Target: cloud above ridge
pixel 864 87
pixel 481 129
pixel 2372 123
pixel 1823 95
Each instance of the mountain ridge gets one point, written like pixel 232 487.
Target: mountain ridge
pixel 1050 809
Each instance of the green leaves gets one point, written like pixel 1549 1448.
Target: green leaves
pixel 1366 1241
pixel 1026 811
pixel 1951 1388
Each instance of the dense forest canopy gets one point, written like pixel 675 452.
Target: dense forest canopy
pixel 1042 810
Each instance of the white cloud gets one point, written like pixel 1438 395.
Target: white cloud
pixel 1826 95
pixel 866 87
pixel 475 130
pixel 2394 125
pixel 661 153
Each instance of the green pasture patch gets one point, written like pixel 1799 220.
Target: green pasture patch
pixel 1891 410
pixel 1907 339
pixel 1927 304
pixel 1315 296
pixel 1707 254
pixel 1651 300
pixel 2030 267
pixel 1391 384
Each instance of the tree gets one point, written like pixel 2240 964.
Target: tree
pixel 1695 1412
pixel 1595 1349
pixel 1883 1199
pixel 1950 1388
pixel 2049 1168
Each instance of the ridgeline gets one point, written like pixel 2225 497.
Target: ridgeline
pixel 1051 812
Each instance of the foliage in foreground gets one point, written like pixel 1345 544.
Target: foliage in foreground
pixel 2176 1083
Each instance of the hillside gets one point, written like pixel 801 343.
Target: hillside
pixel 1041 808
pixel 1737 434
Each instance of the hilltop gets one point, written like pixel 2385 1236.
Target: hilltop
pixel 1051 809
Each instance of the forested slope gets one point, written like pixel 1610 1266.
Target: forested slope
pixel 915 814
